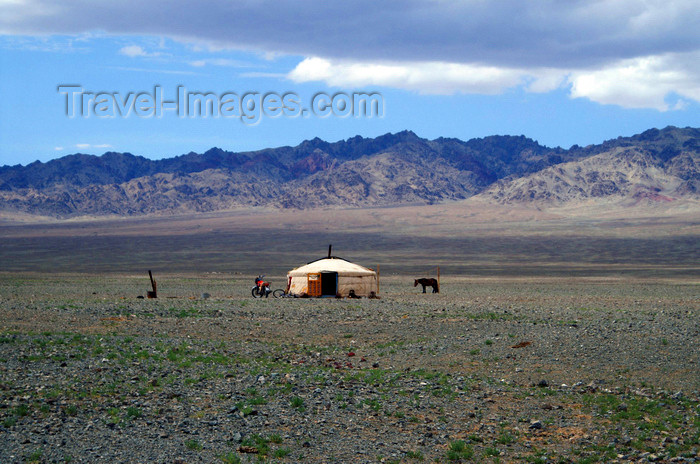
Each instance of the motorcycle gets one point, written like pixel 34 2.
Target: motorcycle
pixel 262 289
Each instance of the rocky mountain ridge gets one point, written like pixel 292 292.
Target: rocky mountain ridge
pixel 627 174
pixel 393 169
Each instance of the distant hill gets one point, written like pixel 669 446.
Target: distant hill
pixel 392 169
pixel 657 166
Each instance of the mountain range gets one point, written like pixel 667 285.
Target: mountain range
pixel 656 166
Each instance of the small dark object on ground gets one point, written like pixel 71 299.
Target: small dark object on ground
pixel 536 425
pixel 248 449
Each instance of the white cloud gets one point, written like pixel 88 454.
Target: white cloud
pixel 645 82
pixel 133 50
pixel 223 62
pixel 53 44
pixel 263 75
pixel 58 148
pixel 85 146
pixel 427 78
pixel 624 52
pixel 634 83
pixel 546 80
pixel 137 51
pixel 155 70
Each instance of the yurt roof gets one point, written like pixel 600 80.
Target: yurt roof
pixel 333 264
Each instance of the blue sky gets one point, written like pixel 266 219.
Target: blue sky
pixel 560 72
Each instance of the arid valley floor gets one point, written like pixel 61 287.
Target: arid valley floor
pixel 555 338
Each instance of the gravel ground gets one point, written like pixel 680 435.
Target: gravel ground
pixel 490 370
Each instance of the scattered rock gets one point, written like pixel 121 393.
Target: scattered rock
pixel 179 386
pixel 536 425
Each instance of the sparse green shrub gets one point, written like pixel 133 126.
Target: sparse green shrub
pixel 21 410
pixel 193 445
pixel 133 412
pixel 505 439
pixel 297 402
pixel 230 458
pixel 35 456
pixel 258 400
pixel 113 415
pixel 281 452
pixel 259 442
pixel 373 404
pixel 375 377
pixel 458 451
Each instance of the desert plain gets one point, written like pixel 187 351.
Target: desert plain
pixel 558 336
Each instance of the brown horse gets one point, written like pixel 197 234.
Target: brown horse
pixel 427 283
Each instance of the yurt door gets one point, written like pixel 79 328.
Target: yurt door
pixel 314 284
pixel 329 283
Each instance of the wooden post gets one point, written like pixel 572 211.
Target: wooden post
pixel 154 293
pixel 377 279
pixel 438 272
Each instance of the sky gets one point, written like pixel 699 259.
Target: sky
pixel 161 78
